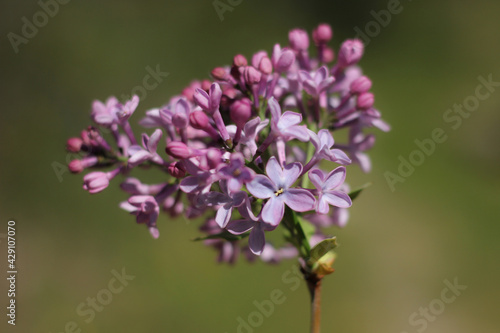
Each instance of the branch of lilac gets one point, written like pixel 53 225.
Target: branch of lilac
pixel 247 151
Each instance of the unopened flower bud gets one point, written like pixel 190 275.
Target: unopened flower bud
pixel 240 111
pixel 219 73
pixel 176 170
pixel 77 166
pixel 350 52
pixel 240 60
pixel 360 85
pixel 74 145
pixel 95 182
pixel 178 150
pixel 322 34
pixel 265 65
pixel 285 61
pixel 365 100
pixel 252 75
pixel 257 57
pixel 198 119
pixel 299 40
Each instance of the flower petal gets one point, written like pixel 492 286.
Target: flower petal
pixel 224 215
pixel 257 239
pixel 273 211
pixel 334 179
pixel 297 132
pixel 337 199
pixel 317 177
pixel 289 119
pixel 275 172
pixel 153 141
pixel 323 206
pixel 275 110
pixel 239 227
pixel 261 187
pixel 290 173
pixel 298 199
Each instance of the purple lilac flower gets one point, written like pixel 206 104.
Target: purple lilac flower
pixel 276 187
pixel 314 84
pixel 225 202
pixel 236 173
pixel 146 210
pixel 220 133
pixel 326 185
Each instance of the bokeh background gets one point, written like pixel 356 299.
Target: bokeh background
pixel 399 246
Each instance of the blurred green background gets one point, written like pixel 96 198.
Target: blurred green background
pixel 399 246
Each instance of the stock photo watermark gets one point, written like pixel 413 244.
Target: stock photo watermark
pixel 222 6
pixel 30 27
pixel 420 319
pixel 452 117
pixel 150 82
pixel 381 19
pixel 292 278
pixel 87 310
pixel 11 271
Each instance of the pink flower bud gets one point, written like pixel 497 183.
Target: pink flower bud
pixel 178 149
pixel 77 166
pixel 350 52
pixel 360 85
pixel 265 65
pixel 299 40
pixel 365 100
pixel 198 119
pixel 257 57
pixel 74 145
pixel 219 73
pixel 240 60
pixel 285 61
pixel 95 182
pixel 176 170
pixel 252 75
pixel 322 34
pixel 240 111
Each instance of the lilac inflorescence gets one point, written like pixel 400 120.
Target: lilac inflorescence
pixel 242 150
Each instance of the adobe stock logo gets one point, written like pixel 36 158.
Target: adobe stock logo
pixel 425 315
pixel 453 117
pixel 29 29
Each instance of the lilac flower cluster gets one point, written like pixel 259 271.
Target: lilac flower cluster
pixel 244 151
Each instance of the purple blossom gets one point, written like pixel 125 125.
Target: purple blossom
pixel 139 155
pixel 316 83
pixel 146 210
pixel 276 187
pixel 286 125
pixel 326 185
pixel 97 181
pixel 236 173
pixel 225 202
